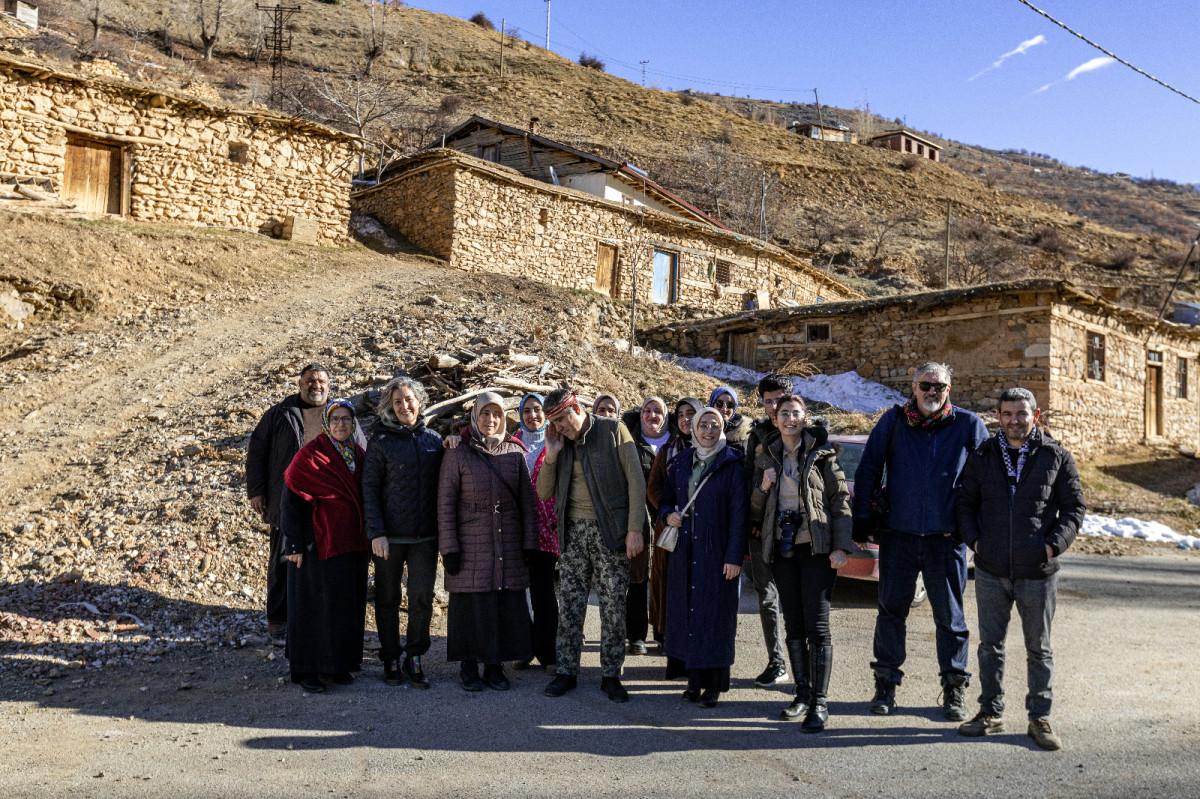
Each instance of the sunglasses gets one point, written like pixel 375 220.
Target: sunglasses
pixel 937 388
pixel 724 404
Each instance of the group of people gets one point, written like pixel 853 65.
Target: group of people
pixel 660 506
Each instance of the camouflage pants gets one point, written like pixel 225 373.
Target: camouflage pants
pixel 585 555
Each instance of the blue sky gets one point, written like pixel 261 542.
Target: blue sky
pixel 928 61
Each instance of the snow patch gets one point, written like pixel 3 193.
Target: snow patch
pixel 848 391
pixel 1136 528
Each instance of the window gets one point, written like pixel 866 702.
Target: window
pixel 239 152
pixel 1154 356
pixel 920 149
pixel 1095 356
pixel 818 334
pixel 489 152
pixel 908 145
pixel 723 272
pixel 1181 379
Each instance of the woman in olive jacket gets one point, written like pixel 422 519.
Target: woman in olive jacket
pixel 487 531
pixel 800 495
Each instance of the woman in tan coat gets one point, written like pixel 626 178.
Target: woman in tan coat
pixel 487 529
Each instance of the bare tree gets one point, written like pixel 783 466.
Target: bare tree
pixel 878 232
pixel 95 13
pixel 865 124
pixel 380 21
pixel 206 18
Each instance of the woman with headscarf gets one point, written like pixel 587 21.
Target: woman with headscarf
pixel 487 531
pixel 321 517
pixel 800 493
pixel 680 425
pixel 737 427
pixel 607 405
pixel 400 484
pixel 702 587
pixel 542 598
pixel 648 426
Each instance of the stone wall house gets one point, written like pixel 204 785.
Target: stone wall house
pixel 112 147
pixel 1107 376
pixel 483 217
pixel 905 141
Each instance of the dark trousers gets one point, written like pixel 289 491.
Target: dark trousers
pixel 421 560
pixel 1035 601
pixel 805 583
pixel 544 601
pixel 276 579
pixel 637 611
pixel 763 580
pixel 943 563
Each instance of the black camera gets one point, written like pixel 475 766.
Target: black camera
pixel 789 523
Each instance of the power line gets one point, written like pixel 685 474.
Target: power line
pixel 1108 53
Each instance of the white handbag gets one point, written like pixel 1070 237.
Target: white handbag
pixel 669 537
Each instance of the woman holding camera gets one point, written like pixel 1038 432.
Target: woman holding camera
pixel 801 498
pixel 705 497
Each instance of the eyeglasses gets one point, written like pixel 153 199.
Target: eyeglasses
pixel 336 420
pixel 791 415
pixel 708 427
pixel 936 388
pixel 770 402
pixel 724 404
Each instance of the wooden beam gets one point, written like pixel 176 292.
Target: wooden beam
pixel 111 137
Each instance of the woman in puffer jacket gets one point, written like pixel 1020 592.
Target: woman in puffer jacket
pixel 800 494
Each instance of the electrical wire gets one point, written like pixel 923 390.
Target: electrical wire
pixel 1108 53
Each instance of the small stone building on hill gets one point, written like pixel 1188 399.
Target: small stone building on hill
pixel 905 141
pixel 1108 376
pixel 481 216
pixel 112 147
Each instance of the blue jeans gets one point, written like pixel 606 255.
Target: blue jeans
pixel 1035 601
pixel 943 562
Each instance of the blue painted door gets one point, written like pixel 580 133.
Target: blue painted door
pixel 662 291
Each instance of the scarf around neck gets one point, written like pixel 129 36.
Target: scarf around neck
pixel 534 440
pixel 1014 471
pixel 912 415
pixel 344 448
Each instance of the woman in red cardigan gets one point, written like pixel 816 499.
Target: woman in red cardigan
pixel 327 552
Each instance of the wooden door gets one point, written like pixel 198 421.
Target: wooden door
pixel 743 349
pixel 1154 424
pixel 663 290
pixel 606 269
pixel 92 176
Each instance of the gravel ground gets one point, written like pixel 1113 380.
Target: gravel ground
pixel 203 722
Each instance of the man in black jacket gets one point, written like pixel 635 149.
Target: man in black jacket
pixel 1019 508
pixel 280 434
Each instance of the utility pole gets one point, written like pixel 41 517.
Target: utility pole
pixel 547 24
pixel 644 63
pixel 946 268
pixel 762 213
pixel 275 42
pixel 502 21
pixel 820 118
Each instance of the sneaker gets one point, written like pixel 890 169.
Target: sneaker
pixel 612 687
pixel 954 699
pixel 982 724
pixel 391 672
pixel 637 647
pixel 561 684
pixel 1043 736
pixel 773 673
pixel 884 701
pixel 414 672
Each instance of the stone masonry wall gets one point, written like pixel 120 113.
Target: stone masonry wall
pixel 182 169
pixel 517 226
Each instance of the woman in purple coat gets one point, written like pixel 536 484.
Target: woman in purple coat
pixel 702 588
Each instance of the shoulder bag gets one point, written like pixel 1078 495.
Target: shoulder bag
pixel 669 537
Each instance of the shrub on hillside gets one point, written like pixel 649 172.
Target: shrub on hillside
pixel 451 104
pixel 1048 239
pixel 482 21
pixel 1120 259
pixel 591 62
pixel 911 162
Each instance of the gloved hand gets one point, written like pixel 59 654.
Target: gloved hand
pixel 452 563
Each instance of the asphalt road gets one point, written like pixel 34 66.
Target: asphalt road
pixel 1127 704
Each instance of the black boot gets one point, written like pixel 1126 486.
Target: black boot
pixel 820 659
pixel 884 701
pixel 798 655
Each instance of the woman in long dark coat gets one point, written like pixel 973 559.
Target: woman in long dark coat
pixel 702 588
pixel 487 530
pixel 648 426
pixel 321 517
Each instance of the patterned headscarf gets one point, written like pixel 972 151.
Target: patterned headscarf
pixel 703 452
pixel 344 448
pixel 571 401
pixel 489 443
pixel 534 440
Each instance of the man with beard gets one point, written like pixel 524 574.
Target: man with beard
pixel 923 445
pixel 1019 508
pixel 282 431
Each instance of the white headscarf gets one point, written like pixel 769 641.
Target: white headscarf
pixel 489 443
pixel 702 452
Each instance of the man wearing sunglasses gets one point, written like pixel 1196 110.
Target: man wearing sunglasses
pixel 923 445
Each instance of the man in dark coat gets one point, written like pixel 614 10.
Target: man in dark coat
pixel 280 434
pixel 1019 508
pixel 924 445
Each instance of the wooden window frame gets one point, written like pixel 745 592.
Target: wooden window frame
pixel 819 327
pixel 1097 347
pixel 1181 378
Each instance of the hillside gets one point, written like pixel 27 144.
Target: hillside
pixel 876 218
